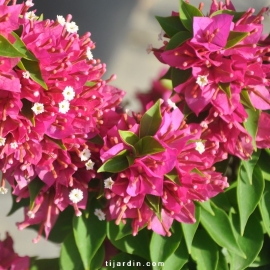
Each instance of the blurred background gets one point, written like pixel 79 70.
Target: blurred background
pixel 121 29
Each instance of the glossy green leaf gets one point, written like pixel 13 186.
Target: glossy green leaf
pixel 34 188
pixel 225 87
pixel 154 202
pixel 7 49
pixel 167 75
pixel 189 230
pixel 245 99
pixel 98 259
pixel 177 259
pixel 45 264
pixel 171 25
pixel 263 163
pixel 204 251
pixel 151 121
pixel 17 205
pixel 115 164
pixel 251 125
pixel 147 146
pixel 128 137
pixel 121 229
pixel 97 140
pixel 138 245
pixel 220 229
pixel 248 196
pixel 263 257
pixel 222 263
pixel 236 15
pixel 27 111
pixel 88 239
pixel 186 13
pixel 180 76
pixel 178 39
pixel 250 164
pixel 57 141
pixel 173 176
pixel 251 242
pixel 207 206
pixel 161 247
pixel 33 68
pixel 264 207
pixel 222 201
pixel 21 47
pixel 70 258
pixel 234 38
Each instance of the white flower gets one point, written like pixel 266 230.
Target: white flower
pixel 85 154
pixel 99 214
pixel 31 214
pixel 76 195
pixel 171 104
pixel 71 27
pixel 64 106
pixel 108 183
pixel 13 145
pixel 38 108
pixel 89 54
pixel 68 93
pixel 161 34
pixel 29 3
pixel 2 141
pixel 61 20
pixel 30 15
pixel 89 165
pixel 3 190
pixel 149 48
pixel 26 74
pixel 200 147
pixel 202 80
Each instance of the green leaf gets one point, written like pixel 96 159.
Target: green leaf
pixel 234 38
pixel 154 202
pixel 220 229
pixel 27 111
pixel 178 39
pixel 33 68
pixel 173 176
pixel 245 99
pixel 148 145
pixel 189 230
pixel 225 87
pixel 90 84
pixel 70 258
pixel 248 196
pixel 45 264
pixel 115 164
pixel 151 121
pixel 98 259
pixel 97 140
pixel 180 76
pixel 186 13
pixel 264 207
pixel 34 188
pixel 251 125
pixel 207 206
pixel 236 15
pixel 138 245
pixel 204 251
pixel 17 205
pixel 57 141
pixel 171 25
pixel 7 49
pixel 21 47
pixel 263 257
pixel 178 259
pixel 250 164
pixel 129 138
pixel 264 164
pixel 222 263
pixel 162 247
pixel 122 229
pixel 87 237
pixel 251 242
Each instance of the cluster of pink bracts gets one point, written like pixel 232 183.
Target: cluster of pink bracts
pixel 45 134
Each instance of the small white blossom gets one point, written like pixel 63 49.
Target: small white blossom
pixel 99 214
pixel 64 106
pixel 14 145
pixel 85 154
pixel 31 16
pixel 76 195
pixel 200 147
pixel 108 183
pixel 3 190
pixel 2 141
pixel 161 34
pixel 29 3
pixel 68 93
pixel 26 74
pixel 38 108
pixel 149 48
pixel 171 104
pixel 31 214
pixel 89 165
pixel 72 27
pixel 89 54
pixel 202 80
pixel 61 20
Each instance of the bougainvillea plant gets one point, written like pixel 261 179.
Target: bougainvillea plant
pixel 182 185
